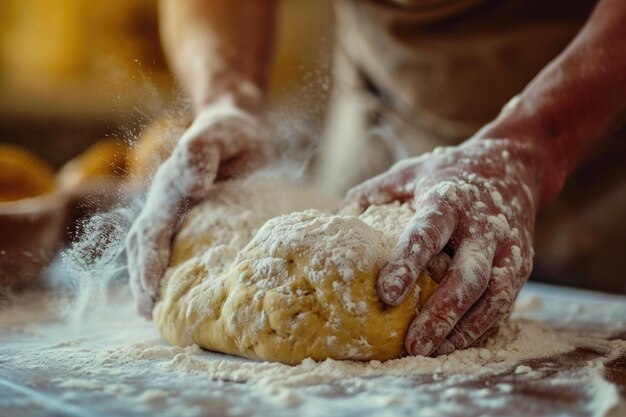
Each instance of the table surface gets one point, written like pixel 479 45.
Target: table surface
pixel 83 367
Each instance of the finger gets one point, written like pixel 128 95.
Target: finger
pixel 254 148
pixel 144 304
pixel 383 189
pixel 148 248
pixel 234 133
pixel 145 273
pixel 153 258
pixel 243 163
pixel 143 301
pixel 465 282
pixel 491 332
pixel 424 237
pixel 495 303
pixel 188 174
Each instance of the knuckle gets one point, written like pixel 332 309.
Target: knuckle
pixel 501 294
pixel 485 336
pixel 195 142
pixel 430 199
pixel 402 165
pixel 526 268
pixel 501 275
pixel 426 236
pixel 502 278
pixel 432 227
pixel 356 193
pixel 444 317
pixel 501 303
pixel 463 336
pixel 474 280
pixel 365 194
pixel 430 234
pixel 195 152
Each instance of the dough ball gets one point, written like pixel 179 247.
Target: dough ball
pixel 306 287
pixel 303 284
pixel 207 243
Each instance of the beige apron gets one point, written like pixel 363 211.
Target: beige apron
pixel 414 74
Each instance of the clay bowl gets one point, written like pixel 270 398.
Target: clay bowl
pixel 31 233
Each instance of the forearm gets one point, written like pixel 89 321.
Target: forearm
pixel 219 47
pixel 575 103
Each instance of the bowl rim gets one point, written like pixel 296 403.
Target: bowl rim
pixel 39 204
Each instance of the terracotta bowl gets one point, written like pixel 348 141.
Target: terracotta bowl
pixel 31 233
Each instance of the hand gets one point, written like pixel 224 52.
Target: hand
pixel 479 200
pixel 222 141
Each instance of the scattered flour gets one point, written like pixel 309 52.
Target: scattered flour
pixel 83 384
pixel 517 342
pixel 606 399
pixel 523 369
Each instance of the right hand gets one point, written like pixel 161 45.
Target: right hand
pixel 223 141
pixel 479 200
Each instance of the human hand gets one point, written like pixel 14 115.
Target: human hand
pixel 223 141
pixel 479 199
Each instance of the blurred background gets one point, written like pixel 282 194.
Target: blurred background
pixel 74 71
pixel 80 80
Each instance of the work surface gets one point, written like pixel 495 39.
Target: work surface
pixel 111 363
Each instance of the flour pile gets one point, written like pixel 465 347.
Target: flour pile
pixel 516 342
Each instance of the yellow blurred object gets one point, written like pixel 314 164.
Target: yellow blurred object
pixel 44 40
pixel 23 174
pixel 154 145
pixel 106 159
pixel 47 41
pixel 115 159
pixel 81 59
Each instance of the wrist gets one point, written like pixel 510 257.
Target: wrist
pixel 222 109
pixel 225 105
pixel 529 140
pixel 242 95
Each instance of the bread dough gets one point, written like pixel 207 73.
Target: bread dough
pixel 245 282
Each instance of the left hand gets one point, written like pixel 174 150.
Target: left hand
pixel 223 141
pixel 479 199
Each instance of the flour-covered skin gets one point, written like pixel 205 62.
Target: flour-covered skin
pixel 479 199
pixel 223 141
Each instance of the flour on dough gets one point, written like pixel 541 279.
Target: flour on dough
pixel 256 272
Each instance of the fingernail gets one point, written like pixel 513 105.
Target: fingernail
pixel 391 293
pixel 392 285
pixel 446 348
